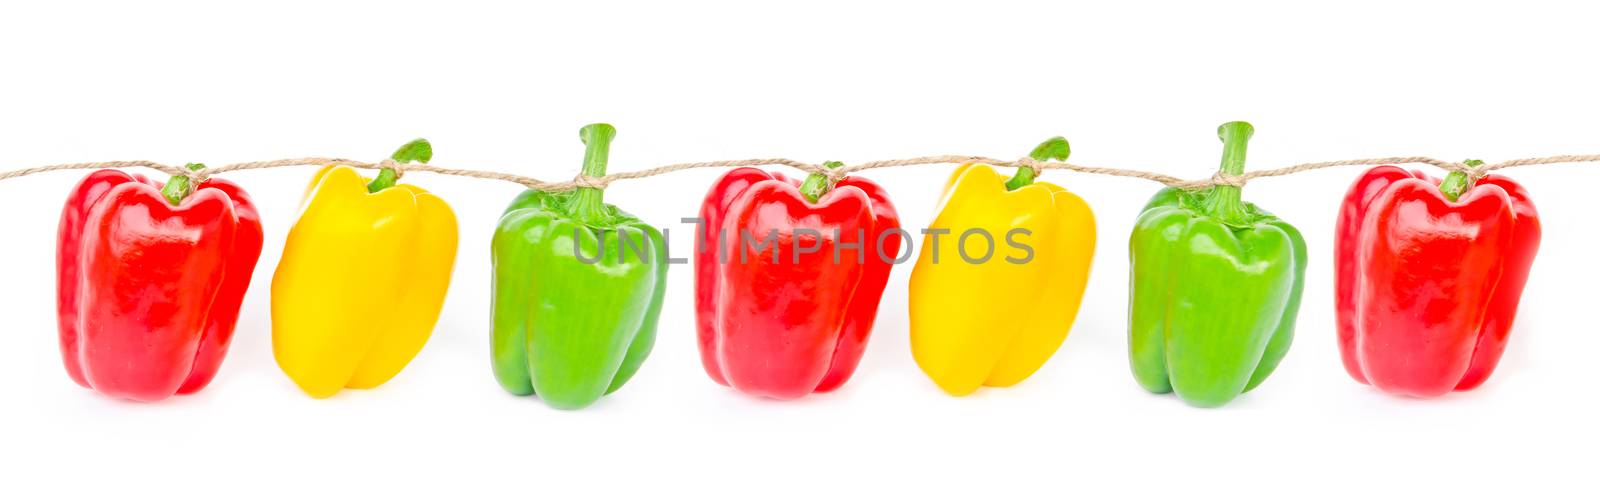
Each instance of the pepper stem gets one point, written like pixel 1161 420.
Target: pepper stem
pixel 818 183
pixel 1457 182
pixel 1055 148
pixel 418 150
pixel 588 203
pixel 1224 202
pixel 180 186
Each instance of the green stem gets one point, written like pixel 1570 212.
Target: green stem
pixel 180 186
pixel 1457 182
pixel 818 183
pixel 1055 148
pixel 588 204
pixel 418 150
pixel 1224 202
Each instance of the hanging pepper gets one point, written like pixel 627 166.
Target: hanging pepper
pixel 788 279
pixel 1216 284
pixel 149 278
pixel 993 321
pixel 577 290
pixel 362 279
pixel 1430 274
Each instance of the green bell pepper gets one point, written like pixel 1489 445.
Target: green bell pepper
pixel 1215 285
pixel 577 290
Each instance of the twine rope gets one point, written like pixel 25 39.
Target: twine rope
pixel 1217 179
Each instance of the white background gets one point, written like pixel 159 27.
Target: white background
pixel 505 87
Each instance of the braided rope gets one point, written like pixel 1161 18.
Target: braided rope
pixel 1217 179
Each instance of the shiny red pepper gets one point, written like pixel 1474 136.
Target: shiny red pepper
pixel 149 279
pixel 787 315
pixel 1429 277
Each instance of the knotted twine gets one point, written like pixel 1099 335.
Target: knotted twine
pixel 1217 179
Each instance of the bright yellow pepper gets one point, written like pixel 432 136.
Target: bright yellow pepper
pixel 362 279
pixel 994 322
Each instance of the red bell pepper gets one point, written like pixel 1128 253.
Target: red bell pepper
pixel 788 315
pixel 1429 277
pixel 149 279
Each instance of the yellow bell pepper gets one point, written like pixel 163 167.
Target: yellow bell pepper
pixel 362 279
pixel 993 322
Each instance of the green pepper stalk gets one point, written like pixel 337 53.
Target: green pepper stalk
pixel 818 183
pixel 418 150
pixel 1215 285
pixel 1224 202
pixel 1054 148
pixel 578 286
pixel 588 202
pixel 1457 182
pixel 180 186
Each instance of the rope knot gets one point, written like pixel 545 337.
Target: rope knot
pixel 594 182
pixel 1031 163
pixel 1474 173
pixel 1225 179
pixel 834 174
pixel 393 165
pixel 196 176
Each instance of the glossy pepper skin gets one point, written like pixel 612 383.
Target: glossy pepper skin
pixel 362 278
pixel 1429 277
pixel 968 327
pixel 149 279
pixel 786 316
pixel 1216 285
pixel 574 326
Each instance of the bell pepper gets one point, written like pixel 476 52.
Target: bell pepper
pixel 149 278
pixel 968 328
pixel 1216 285
pixel 788 277
pixel 1429 277
pixel 577 290
pixel 362 278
